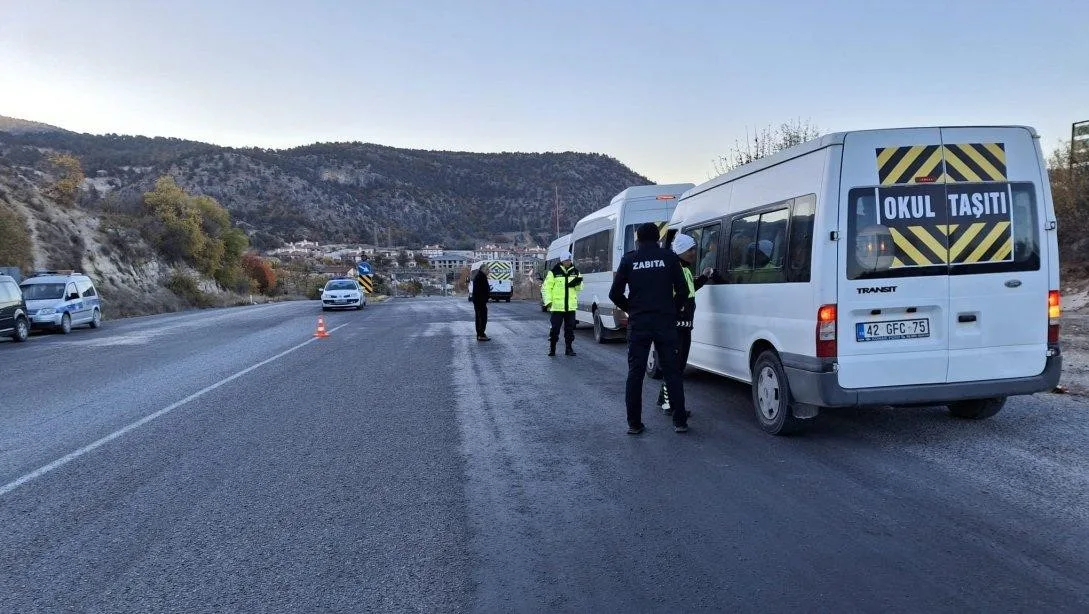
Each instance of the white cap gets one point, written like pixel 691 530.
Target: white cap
pixel 682 243
pixel 565 256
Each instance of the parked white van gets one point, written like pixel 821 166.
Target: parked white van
pixel 500 278
pixel 914 266
pixel 601 238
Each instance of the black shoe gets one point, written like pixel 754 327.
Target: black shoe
pixel 569 352
pixel 636 430
pixel 680 428
pixel 483 338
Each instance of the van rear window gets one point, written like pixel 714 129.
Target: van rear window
pixel 942 229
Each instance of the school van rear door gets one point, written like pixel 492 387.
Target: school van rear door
pixel 946 280
pixel 893 306
pixel 998 275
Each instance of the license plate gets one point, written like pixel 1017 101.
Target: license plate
pixel 892 330
pixel 340 302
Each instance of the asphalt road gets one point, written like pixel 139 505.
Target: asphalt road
pixel 224 461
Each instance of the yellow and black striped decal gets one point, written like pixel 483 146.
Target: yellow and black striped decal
pixel 909 164
pixel 500 270
pixel 953 224
pixel 975 162
pixel 952 163
pixel 980 227
pixel 367 282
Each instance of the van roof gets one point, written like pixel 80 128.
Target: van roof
pixel 634 192
pixel 646 191
pixel 828 140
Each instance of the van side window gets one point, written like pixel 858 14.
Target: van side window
pixel 769 252
pixel 707 244
pixel 89 292
pixel 742 234
pixel 7 293
pixel 593 254
pixel 86 290
pixel 70 290
pixel 801 239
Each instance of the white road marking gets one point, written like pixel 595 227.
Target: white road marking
pixel 64 460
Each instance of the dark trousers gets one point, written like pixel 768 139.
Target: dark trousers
pixel 567 319
pixel 684 345
pixel 481 310
pixel 662 332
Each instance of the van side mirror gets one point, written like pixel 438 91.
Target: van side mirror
pixel 73 296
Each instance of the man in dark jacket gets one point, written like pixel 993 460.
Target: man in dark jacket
pixel 657 292
pixel 479 293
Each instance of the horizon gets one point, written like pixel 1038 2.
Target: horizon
pixel 665 89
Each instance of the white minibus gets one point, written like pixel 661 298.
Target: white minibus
pixel 913 266
pixel 601 238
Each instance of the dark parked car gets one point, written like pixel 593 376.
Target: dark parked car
pixel 13 318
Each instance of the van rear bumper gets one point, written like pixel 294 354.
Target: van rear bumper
pixel 813 381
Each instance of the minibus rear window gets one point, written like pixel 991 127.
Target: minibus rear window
pixel 941 229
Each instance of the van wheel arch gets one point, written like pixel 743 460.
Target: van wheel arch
pixel 759 347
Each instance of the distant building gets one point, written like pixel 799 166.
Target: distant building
pixel 448 261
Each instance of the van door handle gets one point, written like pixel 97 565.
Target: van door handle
pixel 965 318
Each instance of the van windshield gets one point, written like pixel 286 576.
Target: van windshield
pixel 942 229
pixel 42 292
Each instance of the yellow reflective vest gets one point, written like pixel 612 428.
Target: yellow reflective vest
pixel 561 288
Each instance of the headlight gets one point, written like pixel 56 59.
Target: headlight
pixel 48 311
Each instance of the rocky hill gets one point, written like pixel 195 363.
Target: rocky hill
pixel 339 191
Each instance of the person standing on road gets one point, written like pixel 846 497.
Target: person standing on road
pixel 479 293
pixel 685 248
pixel 560 294
pixel 656 293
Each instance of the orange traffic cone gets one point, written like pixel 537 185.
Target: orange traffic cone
pixel 321 334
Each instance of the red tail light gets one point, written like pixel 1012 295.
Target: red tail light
pixel 826 331
pixel 1054 313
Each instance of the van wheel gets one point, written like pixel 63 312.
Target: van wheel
pixel 22 330
pixel 654 369
pixel 771 396
pixel 599 330
pixel 96 319
pixel 977 409
pixel 66 324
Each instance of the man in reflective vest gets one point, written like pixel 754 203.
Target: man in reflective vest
pixel 685 248
pixel 560 295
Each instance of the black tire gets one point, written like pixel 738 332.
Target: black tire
pixel 508 300
pixel 96 319
pixel 977 409
pixel 66 324
pixel 771 396
pixel 599 330
pixel 22 330
pixel 654 369
pixel 325 309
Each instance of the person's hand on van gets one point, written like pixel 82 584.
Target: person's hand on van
pixel 709 272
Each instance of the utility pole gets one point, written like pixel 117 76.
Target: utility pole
pixel 556 192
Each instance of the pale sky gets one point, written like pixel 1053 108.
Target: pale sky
pixel 663 86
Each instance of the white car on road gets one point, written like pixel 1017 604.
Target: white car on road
pixel 342 294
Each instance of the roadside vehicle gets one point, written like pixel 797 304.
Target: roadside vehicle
pixel 342 294
pixel 59 300
pixel 552 257
pixel 500 278
pixel 600 239
pixel 913 266
pixel 13 311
